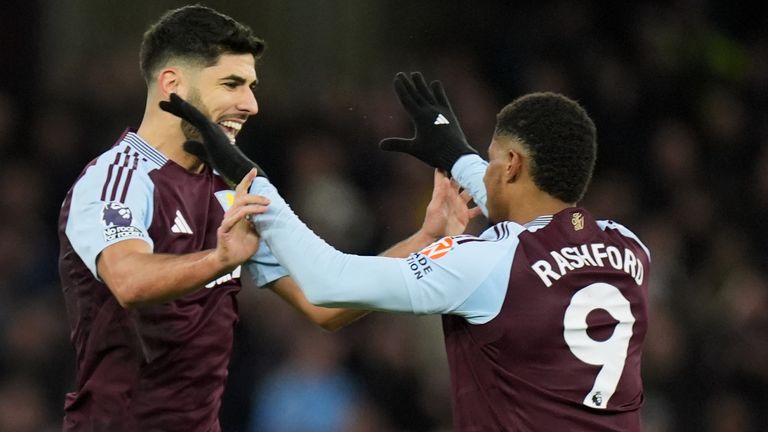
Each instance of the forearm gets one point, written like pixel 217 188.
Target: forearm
pixel 327 276
pixel 143 278
pixel 330 319
pixel 333 319
pixel 414 243
pixel 469 171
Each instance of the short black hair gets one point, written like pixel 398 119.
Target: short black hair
pixel 560 137
pixel 196 34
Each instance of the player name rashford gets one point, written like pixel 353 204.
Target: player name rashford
pixel 588 255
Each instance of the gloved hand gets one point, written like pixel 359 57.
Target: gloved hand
pixel 216 150
pixel 439 140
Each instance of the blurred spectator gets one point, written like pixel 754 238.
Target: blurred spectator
pixel 309 390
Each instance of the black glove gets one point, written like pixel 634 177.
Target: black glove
pixel 439 140
pixel 215 150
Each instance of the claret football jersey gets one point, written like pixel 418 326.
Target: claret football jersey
pixel 160 367
pixel 563 351
pixel 544 321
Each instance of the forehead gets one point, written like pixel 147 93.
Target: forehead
pixel 240 65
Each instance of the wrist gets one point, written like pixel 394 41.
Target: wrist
pixel 450 155
pixel 422 238
pixel 218 262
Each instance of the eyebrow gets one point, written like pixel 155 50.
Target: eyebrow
pixel 238 79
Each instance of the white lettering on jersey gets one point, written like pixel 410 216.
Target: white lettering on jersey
pixel 568 259
pixel 226 278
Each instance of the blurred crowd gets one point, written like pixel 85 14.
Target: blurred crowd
pixel 678 91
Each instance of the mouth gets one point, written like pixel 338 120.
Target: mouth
pixel 230 128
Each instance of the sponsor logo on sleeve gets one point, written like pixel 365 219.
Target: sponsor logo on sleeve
pixel 420 263
pixel 117 219
pixel 438 249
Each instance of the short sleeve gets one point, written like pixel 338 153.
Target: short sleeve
pixel 263 267
pixel 109 204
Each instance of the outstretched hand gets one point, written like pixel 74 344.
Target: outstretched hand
pixel 448 212
pixel 216 149
pixel 439 140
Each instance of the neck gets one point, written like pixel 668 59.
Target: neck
pixel 163 132
pixel 535 204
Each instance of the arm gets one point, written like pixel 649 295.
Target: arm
pixel 447 214
pixel 331 278
pixel 469 171
pixel 137 276
pixel 327 276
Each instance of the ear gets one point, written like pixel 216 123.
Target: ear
pixel 514 166
pixel 168 81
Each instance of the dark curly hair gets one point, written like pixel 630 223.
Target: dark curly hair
pixel 560 137
pixel 196 34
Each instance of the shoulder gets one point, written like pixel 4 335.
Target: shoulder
pixel 502 231
pixel 607 225
pixel 125 168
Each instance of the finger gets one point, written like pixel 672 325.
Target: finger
pixel 455 185
pixel 465 197
pixel 245 183
pixel 407 85
pixel 437 176
pixel 474 212
pixel 421 87
pixel 440 187
pixel 240 214
pixel 439 92
pixel 440 173
pixel 405 94
pixel 249 199
pixel 228 222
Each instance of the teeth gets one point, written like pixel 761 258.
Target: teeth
pixel 232 125
pixel 231 128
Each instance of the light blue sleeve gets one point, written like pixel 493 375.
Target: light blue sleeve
pixel 469 171
pixel 417 284
pixel 263 268
pixel 93 223
pixel 465 276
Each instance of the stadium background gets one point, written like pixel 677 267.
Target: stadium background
pixel 678 91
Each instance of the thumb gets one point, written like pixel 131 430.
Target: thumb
pixel 396 144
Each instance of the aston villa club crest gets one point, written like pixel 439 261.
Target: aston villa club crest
pixel 577 219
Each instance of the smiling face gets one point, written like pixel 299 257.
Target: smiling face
pixel 224 93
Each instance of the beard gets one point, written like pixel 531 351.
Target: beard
pixel 190 132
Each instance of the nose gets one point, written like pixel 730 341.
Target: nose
pixel 248 102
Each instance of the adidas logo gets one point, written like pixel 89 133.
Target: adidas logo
pixel 180 225
pixel 441 120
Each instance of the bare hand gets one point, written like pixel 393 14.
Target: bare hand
pixel 236 239
pixel 447 213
